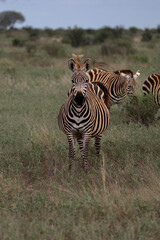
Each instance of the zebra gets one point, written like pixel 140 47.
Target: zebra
pixel 84 114
pixel 118 84
pixel 152 85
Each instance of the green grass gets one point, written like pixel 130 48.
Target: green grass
pixel 119 199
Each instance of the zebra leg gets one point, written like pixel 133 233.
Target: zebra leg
pixel 98 144
pixel 80 143
pixel 71 142
pixel 85 153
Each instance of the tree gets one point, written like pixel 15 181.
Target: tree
pixel 76 37
pixel 9 18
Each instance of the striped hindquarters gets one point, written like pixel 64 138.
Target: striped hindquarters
pixel 97 99
pixel 152 85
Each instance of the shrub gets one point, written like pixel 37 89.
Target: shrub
pixel 49 32
pixel 18 42
pixel 33 33
pixel 55 49
pixel 76 37
pixel 107 33
pixel 141 109
pixel 101 35
pixel 133 30
pixel 120 47
pixel 118 31
pixel 147 35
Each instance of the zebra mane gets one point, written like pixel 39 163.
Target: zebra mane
pixel 125 71
pixel 78 60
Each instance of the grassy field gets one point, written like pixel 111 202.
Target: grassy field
pixel 119 199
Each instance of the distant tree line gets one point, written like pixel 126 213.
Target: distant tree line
pixel 109 39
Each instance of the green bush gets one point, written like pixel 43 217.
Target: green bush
pixel 18 42
pixel 141 109
pixel 49 32
pixel 101 35
pixel 33 33
pixel 120 47
pixel 147 35
pixel 118 31
pixel 55 49
pixel 76 37
pixel 104 33
pixel 133 30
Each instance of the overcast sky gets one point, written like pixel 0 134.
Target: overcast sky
pixel 86 13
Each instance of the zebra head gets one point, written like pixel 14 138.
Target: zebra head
pixel 130 82
pixel 79 80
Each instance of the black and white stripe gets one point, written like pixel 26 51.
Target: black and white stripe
pixel 152 85
pixel 118 84
pixel 84 114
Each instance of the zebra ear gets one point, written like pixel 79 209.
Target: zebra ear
pixel 125 75
pixel 71 64
pixel 136 75
pixel 87 64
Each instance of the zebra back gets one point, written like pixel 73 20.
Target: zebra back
pixel 118 84
pixel 152 85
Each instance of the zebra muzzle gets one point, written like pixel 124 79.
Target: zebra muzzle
pixel 79 98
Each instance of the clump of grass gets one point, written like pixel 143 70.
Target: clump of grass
pixel 141 59
pixel 31 47
pixel 141 109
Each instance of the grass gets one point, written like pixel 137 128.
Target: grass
pixel 39 199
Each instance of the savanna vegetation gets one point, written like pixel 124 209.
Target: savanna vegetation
pixel 119 199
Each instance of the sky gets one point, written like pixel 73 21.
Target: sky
pixel 85 14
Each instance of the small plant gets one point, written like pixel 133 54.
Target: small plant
pixel 141 109
pixel 17 42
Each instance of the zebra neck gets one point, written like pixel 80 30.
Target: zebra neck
pixel 117 91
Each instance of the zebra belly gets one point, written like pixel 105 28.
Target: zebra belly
pixel 79 129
